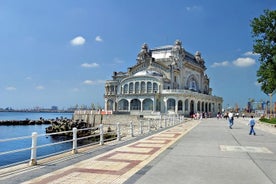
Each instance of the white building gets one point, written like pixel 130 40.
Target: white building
pixel 164 80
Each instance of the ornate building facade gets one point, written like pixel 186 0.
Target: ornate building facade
pixel 164 80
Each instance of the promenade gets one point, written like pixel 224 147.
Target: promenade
pixel 194 152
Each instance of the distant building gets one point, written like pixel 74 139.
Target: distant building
pixel 164 80
pixel 54 108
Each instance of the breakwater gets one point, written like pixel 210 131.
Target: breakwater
pixel 24 122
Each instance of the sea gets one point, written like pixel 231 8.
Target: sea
pixel 27 130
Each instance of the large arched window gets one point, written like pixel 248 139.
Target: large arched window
pixel 123 104
pixel 198 106
pixel 186 105
pixel 180 105
pixel 192 83
pixel 147 104
pixel 135 104
pixel 109 104
pixel 171 104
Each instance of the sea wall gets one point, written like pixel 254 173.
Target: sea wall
pixel 96 119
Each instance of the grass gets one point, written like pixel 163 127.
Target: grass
pixel 270 121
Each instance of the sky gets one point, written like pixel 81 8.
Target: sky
pixel 60 53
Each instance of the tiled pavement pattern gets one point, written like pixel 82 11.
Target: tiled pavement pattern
pixel 117 165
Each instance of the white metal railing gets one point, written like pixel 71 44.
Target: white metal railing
pixel 101 134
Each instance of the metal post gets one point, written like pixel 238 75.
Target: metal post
pixel 149 124
pixel 118 132
pixel 131 129
pixel 101 134
pixel 74 149
pixel 33 149
pixel 165 122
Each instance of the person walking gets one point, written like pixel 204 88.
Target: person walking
pixel 252 124
pixel 231 119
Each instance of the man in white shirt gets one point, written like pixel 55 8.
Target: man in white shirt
pixel 231 119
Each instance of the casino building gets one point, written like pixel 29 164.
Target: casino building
pixel 164 80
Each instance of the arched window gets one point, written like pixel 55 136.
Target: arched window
pixel 123 104
pixel 186 105
pixel 131 87
pixel 149 87
pixel 148 104
pixel 155 87
pixel 198 106
pixel 109 104
pixel 135 104
pixel 171 104
pixel 125 88
pixel 136 87
pixel 180 105
pixel 143 87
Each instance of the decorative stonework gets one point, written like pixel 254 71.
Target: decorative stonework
pixel 164 80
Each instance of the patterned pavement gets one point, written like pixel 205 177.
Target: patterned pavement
pixel 118 165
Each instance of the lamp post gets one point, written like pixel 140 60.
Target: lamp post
pixel 270 108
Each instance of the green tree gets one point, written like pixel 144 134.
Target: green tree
pixel 264 35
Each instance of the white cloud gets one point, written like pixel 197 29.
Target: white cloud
pixel 89 65
pixel 244 62
pixel 193 8
pixel 221 64
pixel 10 88
pixel 39 87
pixel 91 82
pixel 250 53
pixel 79 40
pixel 98 39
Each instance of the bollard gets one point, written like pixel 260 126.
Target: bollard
pixel 131 129
pixel 141 127
pixel 118 132
pixel 101 134
pixel 74 149
pixel 33 149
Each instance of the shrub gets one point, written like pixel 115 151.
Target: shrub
pixel 265 120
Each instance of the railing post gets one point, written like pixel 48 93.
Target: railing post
pixel 118 132
pixel 141 127
pixel 101 134
pixel 74 149
pixel 149 125
pixel 33 149
pixel 131 129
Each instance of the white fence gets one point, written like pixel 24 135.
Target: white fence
pixel 99 135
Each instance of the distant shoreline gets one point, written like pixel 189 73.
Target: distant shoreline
pixel 40 111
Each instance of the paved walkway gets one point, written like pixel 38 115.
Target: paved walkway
pixel 201 151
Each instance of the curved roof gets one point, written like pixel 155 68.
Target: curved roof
pixel 148 73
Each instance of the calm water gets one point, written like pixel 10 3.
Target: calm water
pixel 19 131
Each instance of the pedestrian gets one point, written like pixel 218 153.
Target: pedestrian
pixel 231 119
pixel 252 124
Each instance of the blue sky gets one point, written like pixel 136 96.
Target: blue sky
pixel 61 52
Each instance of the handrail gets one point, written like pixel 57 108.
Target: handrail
pixel 120 130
